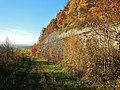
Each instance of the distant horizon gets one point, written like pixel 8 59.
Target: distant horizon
pixel 16 44
pixel 22 20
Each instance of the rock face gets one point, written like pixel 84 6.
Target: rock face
pixel 84 34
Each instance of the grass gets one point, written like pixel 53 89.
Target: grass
pixel 38 75
pixel 9 79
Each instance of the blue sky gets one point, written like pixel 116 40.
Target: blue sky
pixel 22 20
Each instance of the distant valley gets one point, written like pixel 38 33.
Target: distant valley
pixel 21 46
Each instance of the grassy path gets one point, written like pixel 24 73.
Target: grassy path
pixel 54 78
pixel 38 75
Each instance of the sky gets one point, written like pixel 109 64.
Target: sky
pixel 22 20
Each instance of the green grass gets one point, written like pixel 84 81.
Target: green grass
pixel 38 75
pixel 11 79
pixel 56 78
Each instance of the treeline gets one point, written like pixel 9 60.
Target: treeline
pixel 9 56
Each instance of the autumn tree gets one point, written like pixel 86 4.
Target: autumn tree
pixel 104 18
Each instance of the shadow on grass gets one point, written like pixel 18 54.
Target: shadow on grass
pixel 38 75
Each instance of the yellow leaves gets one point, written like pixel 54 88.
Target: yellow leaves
pixel 72 7
pixel 94 11
pixel 118 84
pixel 81 13
pixel 50 54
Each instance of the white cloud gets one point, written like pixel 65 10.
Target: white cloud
pixel 18 36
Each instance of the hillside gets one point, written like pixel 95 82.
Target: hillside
pixel 84 39
pixel 78 50
pixel 78 14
